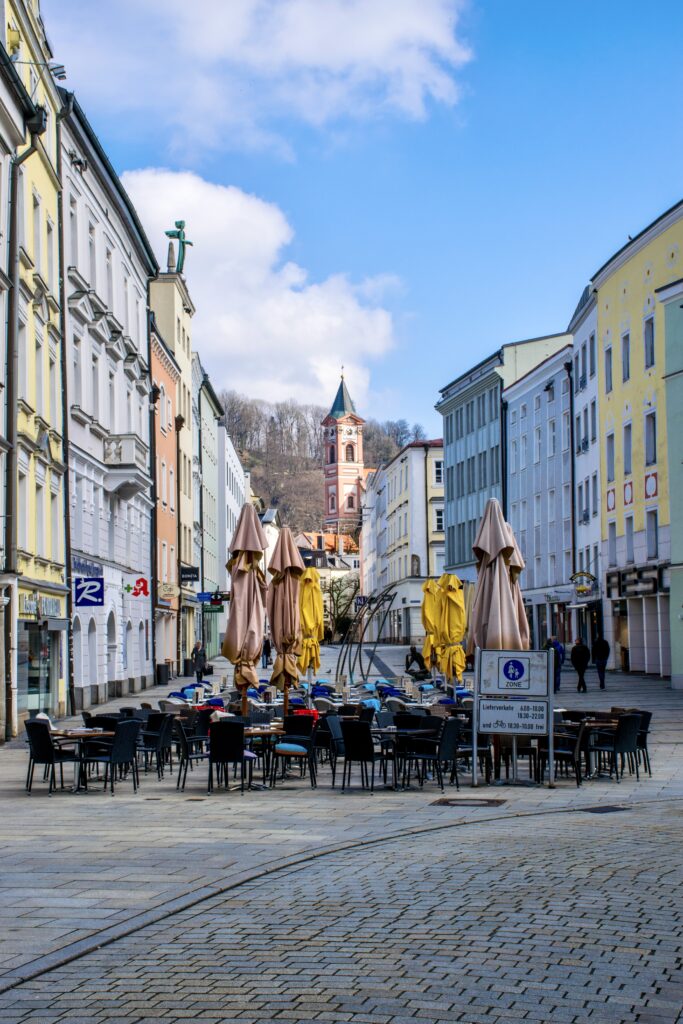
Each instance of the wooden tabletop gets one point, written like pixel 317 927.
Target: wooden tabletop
pixel 81 734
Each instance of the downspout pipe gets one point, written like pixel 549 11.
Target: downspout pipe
pixel 201 504
pixel 504 457
pixel 568 366
pixel 179 424
pixel 427 572
pixel 36 126
pixel 66 485
pixel 154 398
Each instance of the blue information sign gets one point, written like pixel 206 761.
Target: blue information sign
pixel 88 591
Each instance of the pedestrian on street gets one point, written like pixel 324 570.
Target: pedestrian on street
pixel 601 657
pixel 198 660
pixel 265 652
pixel 581 657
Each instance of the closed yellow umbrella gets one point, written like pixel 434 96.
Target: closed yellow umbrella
pixel 311 608
pixel 430 621
pixel 451 629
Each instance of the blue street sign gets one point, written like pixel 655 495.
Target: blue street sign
pixel 204 597
pixel 88 591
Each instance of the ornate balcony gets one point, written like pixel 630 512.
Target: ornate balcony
pixel 126 457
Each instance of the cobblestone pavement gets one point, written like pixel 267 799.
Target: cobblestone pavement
pixel 581 925
pixel 83 870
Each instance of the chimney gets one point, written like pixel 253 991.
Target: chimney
pixel 340 545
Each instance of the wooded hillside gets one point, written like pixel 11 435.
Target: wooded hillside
pixel 281 444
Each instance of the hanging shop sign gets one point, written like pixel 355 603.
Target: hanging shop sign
pixel 89 591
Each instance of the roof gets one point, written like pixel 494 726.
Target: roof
pixel 310 539
pixel 434 443
pixel 343 403
pixel 676 209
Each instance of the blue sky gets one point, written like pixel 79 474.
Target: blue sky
pixel 411 183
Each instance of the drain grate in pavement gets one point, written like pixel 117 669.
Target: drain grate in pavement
pixel 449 801
pixel 195 799
pixel 605 809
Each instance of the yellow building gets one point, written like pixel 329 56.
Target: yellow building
pixel 173 311
pixel 36 475
pixel 635 515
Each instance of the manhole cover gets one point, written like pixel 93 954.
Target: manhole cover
pixel 195 799
pixel 464 802
pixel 605 809
pixel 152 798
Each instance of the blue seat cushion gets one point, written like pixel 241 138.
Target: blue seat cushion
pixel 290 748
pixel 249 755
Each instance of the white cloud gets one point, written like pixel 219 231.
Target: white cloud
pixel 222 73
pixel 261 326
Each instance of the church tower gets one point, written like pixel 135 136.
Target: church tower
pixel 343 454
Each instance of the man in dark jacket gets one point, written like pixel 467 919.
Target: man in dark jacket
pixel 581 657
pixel 266 652
pixel 414 657
pixel 198 660
pixel 601 657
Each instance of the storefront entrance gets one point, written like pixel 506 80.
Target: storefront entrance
pixel 37 669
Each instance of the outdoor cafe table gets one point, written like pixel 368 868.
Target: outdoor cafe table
pixel 393 735
pixel 80 737
pixel 592 726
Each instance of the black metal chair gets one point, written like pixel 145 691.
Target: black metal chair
pixel 297 745
pixel 188 755
pixel 157 742
pixel 622 743
pixel 121 755
pixel 44 751
pixel 226 748
pixel 359 746
pixel 567 750
pixel 445 753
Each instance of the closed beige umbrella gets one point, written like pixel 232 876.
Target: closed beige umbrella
pixel 243 638
pixel 498 620
pixel 286 567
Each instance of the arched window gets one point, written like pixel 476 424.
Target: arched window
pixel 141 648
pixel 350 456
pixel 78 652
pixel 351 501
pixel 162 407
pixel 333 503
pixel 333 454
pixel 92 652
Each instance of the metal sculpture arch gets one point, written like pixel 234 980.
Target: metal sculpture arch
pixel 376 609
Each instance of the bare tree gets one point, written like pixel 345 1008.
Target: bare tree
pixel 339 593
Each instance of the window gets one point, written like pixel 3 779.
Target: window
pixel 513 418
pixel 537 403
pixel 537 509
pixel 609 449
pixel 513 457
pixel 349 453
pixel 612 543
pixel 333 454
pixel 493 405
pixel 438 471
pixel 112 401
pixel 171 488
pixel 22 360
pixel 22 509
pixel 95 386
pixel 92 256
pixel 36 232
pixel 40 520
pixel 579 502
pixel 552 579
pixel 651 439
pixel 482 470
pixel 565 431
pixel 164 562
pixel 162 408
pixel 537 444
pixel 594 420
pixel 54 526
pixel 591 355
pixel 438 520
pixel 54 411
pixel 169 413
pixel 649 342
pixel 459 480
pixel 552 437
pixel 50 246
pixel 626 357
pixel 110 278
pixel 522 411
pixel 551 505
pixel 651 532
pixel 40 398
pixel 627 449
pixel 594 487
pixel 608 370
pixel 469 416
pixel 73 231
pixel 584 361
pixel 522 452
pixel 577 433
pixel 350 502
pixel 628 523
pixel 333 503
pixel 566 501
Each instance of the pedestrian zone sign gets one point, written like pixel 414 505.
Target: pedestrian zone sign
pixel 506 673
pixel 513 717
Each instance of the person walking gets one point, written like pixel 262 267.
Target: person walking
pixel 198 660
pixel 581 657
pixel 600 657
pixel 265 652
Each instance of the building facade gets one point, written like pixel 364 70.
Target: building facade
pixel 17 110
pixel 173 311
pixel 585 420
pixel 207 496
pixel 539 489
pixel 36 458
pixel 344 469
pixel 108 264
pixel 474 442
pixel 671 298
pixel 404 532
pixel 165 382
pixel 233 493
pixel 635 517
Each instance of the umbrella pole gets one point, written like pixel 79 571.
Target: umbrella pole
pixel 286 693
pixel 309 679
pixel 245 702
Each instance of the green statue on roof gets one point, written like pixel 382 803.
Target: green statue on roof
pixel 179 233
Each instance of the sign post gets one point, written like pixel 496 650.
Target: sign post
pixel 513 696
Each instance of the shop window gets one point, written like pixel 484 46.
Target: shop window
pixel 652 533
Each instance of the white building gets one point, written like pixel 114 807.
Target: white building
pixel 403 533
pixel 539 489
pixel 108 262
pixel 233 492
pixel 588 540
